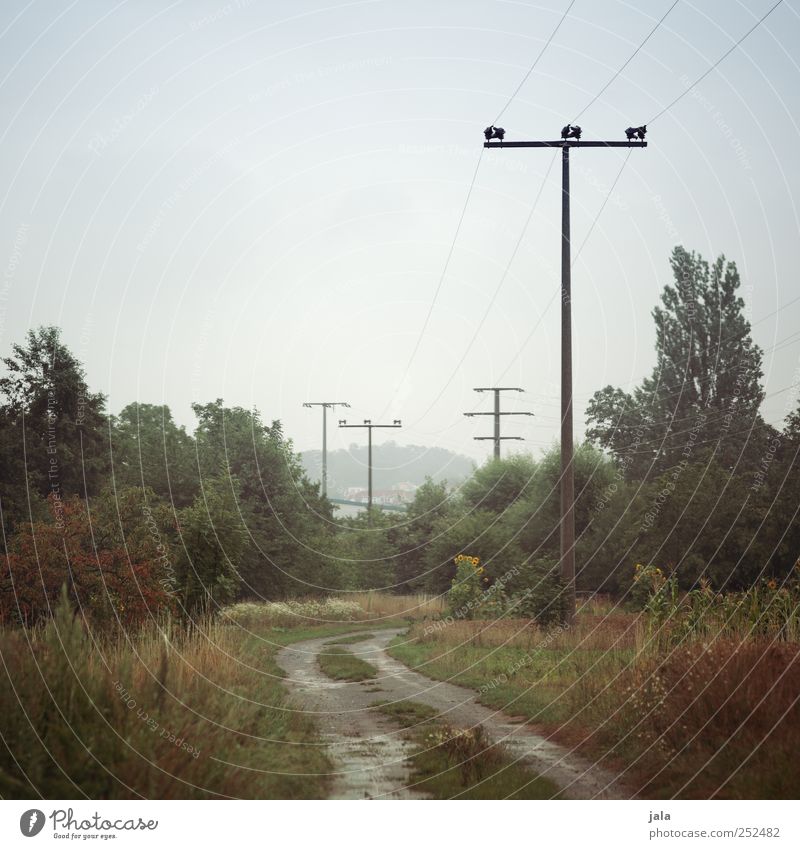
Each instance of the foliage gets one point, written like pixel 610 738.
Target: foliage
pixel 463 763
pixel 704 709
pixel 498 484
pixel 538 593
pixel 149 449
pixel 468 592
pixel 109 576
pixel 767 609
pixel 213 539
pixel 430 514
pixel 705 389
pixel 107 716
pixel 288 524
pixel 683 717
pixel 364 556
pixel 294 613
pixel 52 425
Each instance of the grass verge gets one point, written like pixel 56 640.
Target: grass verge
pixel 339 663
pixel 348 641
pixel 457 763
pixel 694 721
pixel 163 712
pixel 407 713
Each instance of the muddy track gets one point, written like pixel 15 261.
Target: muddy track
pixel 369 750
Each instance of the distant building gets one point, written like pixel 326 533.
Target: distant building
pixel 401 493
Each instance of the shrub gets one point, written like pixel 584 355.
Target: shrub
pixel 538 593
pixel 109 573
pixel 468 587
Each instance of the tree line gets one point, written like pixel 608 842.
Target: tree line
pixel 132 513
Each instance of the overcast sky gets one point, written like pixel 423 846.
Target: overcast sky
pixel 256 200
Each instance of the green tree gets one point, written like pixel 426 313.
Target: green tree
pixel 364 556
pixel 705 388
pixel 213 538
pixel 53 426
pixel 534 521
pixel 434 507
pixel 497 484
pixel 149 449
pixel 289 525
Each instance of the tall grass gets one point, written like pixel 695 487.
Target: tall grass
pixel 696 696
pixel 358 607
pixel 384 606
pixel 164 712
pixel 169 712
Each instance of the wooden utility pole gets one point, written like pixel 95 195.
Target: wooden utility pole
pixel 570 138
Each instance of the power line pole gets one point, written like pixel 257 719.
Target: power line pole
pixel 570 138
pixel 326 405
pixel 497 438
pixel 369 426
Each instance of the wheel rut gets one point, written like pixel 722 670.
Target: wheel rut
pixel 370 751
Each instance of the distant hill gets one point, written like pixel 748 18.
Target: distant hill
pixel 391 464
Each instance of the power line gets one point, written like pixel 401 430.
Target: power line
pixel 721 58
pixel 533 208
pixel 369 427
pixel 778 346
pixel 577 254
pixel 627 61
pixel 716 439
pixel 496 438
pixel 652 120
pixel 326 405
pixel 496 292
pixel 469 194
pixel 444 269
pixel 535 62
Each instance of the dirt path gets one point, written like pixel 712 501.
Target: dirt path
pixel 368 748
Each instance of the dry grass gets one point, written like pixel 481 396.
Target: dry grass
pixel 703 719
pixel 375 607
pixel 722 717
pixel 160 713
pixel 380 606
pixel 590 631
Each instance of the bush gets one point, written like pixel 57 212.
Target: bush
pixel 110 575
pixel 538 593
pixel 468 587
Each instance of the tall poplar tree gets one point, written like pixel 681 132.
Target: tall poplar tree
pixel 705 391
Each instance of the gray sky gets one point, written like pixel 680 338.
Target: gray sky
pixel 256 201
